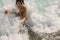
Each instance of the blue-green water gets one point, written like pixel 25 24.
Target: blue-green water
pixel 39 4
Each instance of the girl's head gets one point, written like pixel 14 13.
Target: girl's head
pixel 19 4
pixel 21 1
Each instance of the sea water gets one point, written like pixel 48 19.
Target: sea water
pixel 44 14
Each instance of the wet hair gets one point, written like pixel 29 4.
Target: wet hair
pixel 21 1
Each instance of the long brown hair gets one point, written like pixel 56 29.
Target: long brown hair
pixel 21 1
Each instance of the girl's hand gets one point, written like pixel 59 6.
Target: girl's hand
pixel 21 21
pixel 6 11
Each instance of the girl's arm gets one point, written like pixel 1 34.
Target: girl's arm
pixel 24 17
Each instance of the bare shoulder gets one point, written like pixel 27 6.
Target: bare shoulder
pixel 23 7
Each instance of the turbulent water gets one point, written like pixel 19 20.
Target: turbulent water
pixel 43 21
